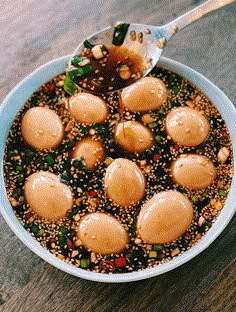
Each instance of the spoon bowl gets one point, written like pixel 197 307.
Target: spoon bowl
pixel 145 41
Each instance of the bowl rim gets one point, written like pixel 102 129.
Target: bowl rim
pixel 16 99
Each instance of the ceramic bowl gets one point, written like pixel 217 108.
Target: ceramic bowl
pixel 16 99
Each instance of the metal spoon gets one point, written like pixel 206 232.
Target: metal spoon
pixel 149 41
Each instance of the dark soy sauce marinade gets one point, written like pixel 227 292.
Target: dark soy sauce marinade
pixel 100 69
pixel 87 186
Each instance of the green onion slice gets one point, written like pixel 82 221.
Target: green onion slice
pixel 119 34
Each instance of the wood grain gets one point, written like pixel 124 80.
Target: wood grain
pixel 34 32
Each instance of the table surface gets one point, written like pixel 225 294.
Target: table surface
pixel 33 32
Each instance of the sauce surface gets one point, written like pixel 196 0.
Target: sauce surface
pixel 118 69
pixel 87 185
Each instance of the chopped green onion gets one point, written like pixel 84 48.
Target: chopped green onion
pixel 64 179
pixel 29 153
pixel 83 263
pixel 158 138
pixel 72 233
pixel 75 60
pixel 73 212
pixel 157 247
pixel 26 226
pixel 175 89
pixel 20 179
pixel 69 85
pixel 85 70
pixel 19 168
pixel 88 44
pixel 62 241
pixel 161 111
pixel 194 199
pixel 75 73
pixel 152 125
pixel 50 160
pixel 119 34
pixel 206 223
pixel 183 191
pixel 35 229
pixel 222 193
pixel 41 232
pixel 140 266
pixel 152 254
pixel 17 193
pixel 10 153
pixel 63 230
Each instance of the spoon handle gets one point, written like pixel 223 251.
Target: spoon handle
pixel 194 15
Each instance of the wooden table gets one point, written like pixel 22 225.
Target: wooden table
pixel 33 32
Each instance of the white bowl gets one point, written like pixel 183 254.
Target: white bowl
pixel 16 99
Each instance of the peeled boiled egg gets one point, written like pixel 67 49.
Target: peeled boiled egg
pixel 124 182
pixel 164 217
pixel 187 126
pixel 88 108
pixel 47 196
pixel 133 136
pixel 91 151
pixel 102 233
pixel 42 128
pixel 147 94
pixel 193 171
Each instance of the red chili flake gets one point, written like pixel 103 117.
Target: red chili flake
pixel 69 243
pixel 120 262
pixel 27 215
pixel 156 157
pixel 188 235
pixel 121 59
pixel 222 133
pixel 52 240
pixel 45 89
pixel 92 193
pixel 51 86
pixel 107 266
pixel 176 146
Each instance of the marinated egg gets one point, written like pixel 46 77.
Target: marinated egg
pixel 186 126
pixel 124 182
pixel 47 196
pixel 164 217
pixel 193 171
pixel 42 128
pixel 91 151
pixel 88 108
pixel 133 137
pixel 102 233
pixel 147 94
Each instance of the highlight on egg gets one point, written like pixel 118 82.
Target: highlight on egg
pixel 47 196
pixel 147 94
pixel 42 128
pixel 187 126
pixel 91 151
pixel 87 108
pixel 133 136
pixel 164 217
pixel 102 233
pixel 193 171
pixel 124 182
